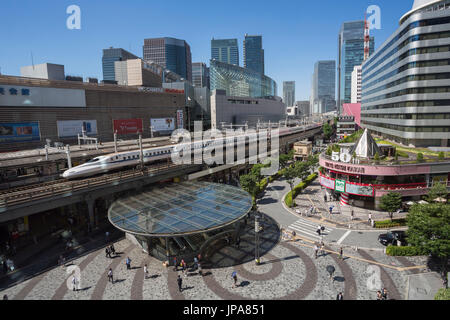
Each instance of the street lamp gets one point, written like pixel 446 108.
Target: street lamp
pixel 257 230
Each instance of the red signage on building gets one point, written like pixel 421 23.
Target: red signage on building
pixel 127 126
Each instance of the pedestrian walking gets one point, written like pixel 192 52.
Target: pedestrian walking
pixel 238 242
pixel 294 234
pixel 234 276
pixel 180 283
pixel 145 272
pixel 110 276
pixel 316 250
pixel 370 217
pixel 322 248
pixel 445 283
pixel 351 215
pixel 331 210
pixel 112 249
pixel 319 230
pixel 108 252
pixel 341 253
pixel 175 264
pixel 128 263
pixel 325 197
pixel 340 296
pixel 384 294
pixel 195 263
pixel 379 296
pixel 74 283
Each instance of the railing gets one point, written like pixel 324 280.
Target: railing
pixel 391 162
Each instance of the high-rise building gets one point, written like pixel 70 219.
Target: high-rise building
pixel 173 54
pixel 289 93
pixel 350 54
pixel 253 53
pixel 200 75
pixel 110 56
pixel 225 50
pixel 242 82
pixel 406 82
pixel 356 85
pixel 323 87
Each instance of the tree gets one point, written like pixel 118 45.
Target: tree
pixel 429 230
pixel 391 202
pixel 441 155
pixel 290 173
pixel 377 157
pixel 438 190
pixel 301 170
pixel 284 158
pixel 250 184
pixel 327 130
pixel 419 157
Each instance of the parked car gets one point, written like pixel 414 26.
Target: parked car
pixel 391 237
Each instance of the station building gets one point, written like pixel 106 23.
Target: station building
pixel 355 176
pixel 34 110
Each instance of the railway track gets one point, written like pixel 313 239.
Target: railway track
pixel 61 186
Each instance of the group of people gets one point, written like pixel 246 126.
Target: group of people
pixel 110 250
pixel 319 249
pixel 184 269
pixel 382 294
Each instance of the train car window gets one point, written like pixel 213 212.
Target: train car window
pixel 93 160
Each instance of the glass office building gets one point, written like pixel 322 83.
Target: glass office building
pixel 110 56
pixel 237 81
pixel 173 54
pixel 289 93
pixel 351 54
pixel 225 50
pixel 324 87
pixel 200 75
pixel 253 53
pixel 406 83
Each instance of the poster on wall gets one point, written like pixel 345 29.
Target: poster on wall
pixel 339 185
pixel 71 128
pixel 180 119
pixel 326 182
pixel 359 190
pixel 19 132
pixel 162 124
pixel 127 126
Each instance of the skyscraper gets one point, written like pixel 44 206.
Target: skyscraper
pixel 199 75
pixel 110 56
pixel 289 93
pixel 356 85
pixel 225 50
pixel 350 54
pixel 253 53
pixel 173 54
pixel 323 87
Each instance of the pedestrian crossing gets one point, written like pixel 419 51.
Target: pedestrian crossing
pixel 307 229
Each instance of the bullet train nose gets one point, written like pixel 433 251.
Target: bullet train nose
pixel 66 174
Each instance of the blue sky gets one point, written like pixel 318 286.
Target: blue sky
pixel 296 33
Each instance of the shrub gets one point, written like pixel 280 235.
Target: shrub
pixel 405 251
pixel 402 154
pixel 299 188
pixel 442 294
pixel 419 157
pixel 390 224
pixel 441 155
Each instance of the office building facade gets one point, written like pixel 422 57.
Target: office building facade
pixel 200 75
pixel 238 81
pixel 253 53
pixel 172 54
pixel 135 72
pixel 110 56
pixel 289 93
pixel 225 50
pixel 323 87
pixel 356 85
pixel 406 82
pixel 350 54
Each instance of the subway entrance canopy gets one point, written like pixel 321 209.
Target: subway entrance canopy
pixel 180 209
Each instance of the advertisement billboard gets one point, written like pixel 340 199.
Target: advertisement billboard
pixel 339 185
pixel 71 128
pixel 359 189
pixel 19 132
pixel 19 96
pixel 127 126
pixel 180 119
pixel 326 182
pixel 162 124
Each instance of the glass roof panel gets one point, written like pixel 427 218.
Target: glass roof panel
pixel 180 208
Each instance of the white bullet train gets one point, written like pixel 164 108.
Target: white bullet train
pixel 114 161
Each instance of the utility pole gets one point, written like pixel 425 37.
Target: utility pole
pixel 257 228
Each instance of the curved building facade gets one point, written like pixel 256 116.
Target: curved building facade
pixel 240 82
pixel 406 82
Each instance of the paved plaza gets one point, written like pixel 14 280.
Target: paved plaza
pixel 288 269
